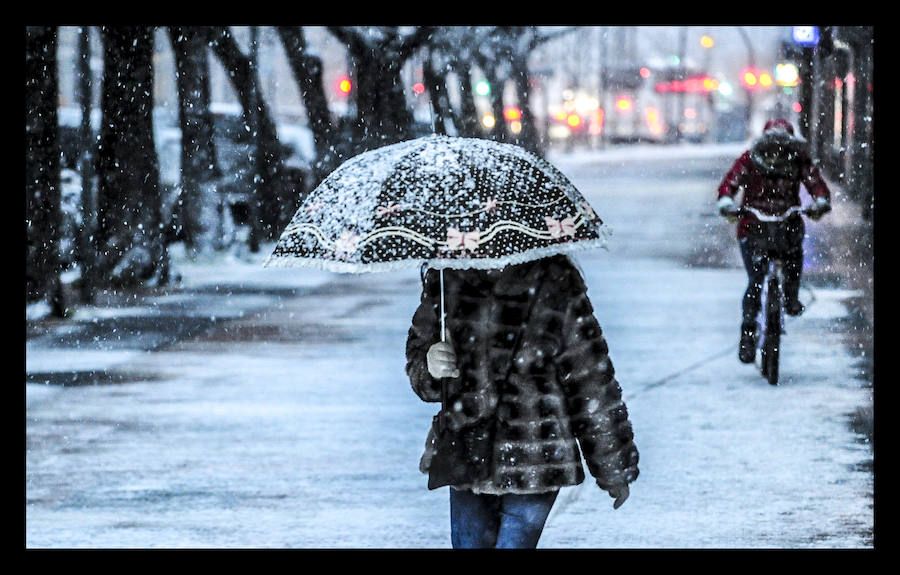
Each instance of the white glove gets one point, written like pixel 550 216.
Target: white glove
pixel 726 207
pixel 822 207
pixel 441 360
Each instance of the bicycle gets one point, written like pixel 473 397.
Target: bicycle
pixel 774 240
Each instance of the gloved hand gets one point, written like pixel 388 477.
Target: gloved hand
pixel 821 207
pixel 620 494
pixel 441 359
pixel 727 208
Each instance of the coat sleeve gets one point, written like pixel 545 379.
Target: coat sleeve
pixel 598 414
pixel 813 180
pixel 423 333
pixel 735 176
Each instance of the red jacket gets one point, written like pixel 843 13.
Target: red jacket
pixel 772 195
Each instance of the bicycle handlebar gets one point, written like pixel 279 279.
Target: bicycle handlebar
pixel 749 210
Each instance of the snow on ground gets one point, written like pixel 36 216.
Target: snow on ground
pixel 289 422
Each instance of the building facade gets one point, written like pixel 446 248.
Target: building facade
pixel 837 97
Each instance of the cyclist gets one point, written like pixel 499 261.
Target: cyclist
pixel 770 174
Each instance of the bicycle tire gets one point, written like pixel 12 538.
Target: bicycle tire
pixel 772 342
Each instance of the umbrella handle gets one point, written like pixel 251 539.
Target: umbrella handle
pixel 443 325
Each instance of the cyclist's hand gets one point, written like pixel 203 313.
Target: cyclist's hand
pixel 821 207
pixel 730 213
pixel 727 209
pixel 441 360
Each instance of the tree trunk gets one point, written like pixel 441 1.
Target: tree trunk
pixel 436 82
pixel 528 138
pixel 42 169
pixel 199 169
pixel 129 227
pixel 86 250
pixel 307 70
pixel 468 115
pixel 383 116
pixel 270 180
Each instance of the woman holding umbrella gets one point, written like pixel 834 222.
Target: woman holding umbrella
pixel 528 377
pixel 504 336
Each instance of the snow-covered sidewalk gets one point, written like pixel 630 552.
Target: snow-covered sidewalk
pixel 288 421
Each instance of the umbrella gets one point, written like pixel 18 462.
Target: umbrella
pixel 449 202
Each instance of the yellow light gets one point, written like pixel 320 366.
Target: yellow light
pixel 750 78
pixel 515 127
pixel 707 41
pixel 787 74
pixel 488 121
pixel 765 79
pixel 651 114
pixel 623 104
pixel 573 120
pixel 345 86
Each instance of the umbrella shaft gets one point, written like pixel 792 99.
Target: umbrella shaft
pixel 443 329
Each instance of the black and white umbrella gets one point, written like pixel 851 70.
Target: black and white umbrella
pixel 448 201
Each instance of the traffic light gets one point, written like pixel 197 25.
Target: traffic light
pixel 512 113
pixel 483 88
pixel 344 85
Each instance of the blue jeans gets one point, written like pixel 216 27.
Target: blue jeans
pixel 498 521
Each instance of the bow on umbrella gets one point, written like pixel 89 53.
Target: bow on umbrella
pixel 560 228
pixel 457 240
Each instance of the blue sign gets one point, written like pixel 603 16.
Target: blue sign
pixel 805 35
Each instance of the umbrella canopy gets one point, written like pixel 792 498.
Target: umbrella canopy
pixel 448 201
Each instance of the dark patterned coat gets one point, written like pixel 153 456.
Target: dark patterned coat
pixel 561 392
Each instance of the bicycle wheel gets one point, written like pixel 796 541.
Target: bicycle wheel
pixel 772 342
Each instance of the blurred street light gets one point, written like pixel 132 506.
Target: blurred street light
pixel 787 74
pixel 512 113
pixel 344 85
pixel 706 41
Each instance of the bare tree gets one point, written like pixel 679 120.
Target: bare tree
pixel 84 246
pixel 501 54
pixel 199 168
pixel 129 234
pixel 42 169
pixel 378 55
pixel 307 70
pixel 270 200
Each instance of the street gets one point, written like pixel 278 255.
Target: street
pixel 269 408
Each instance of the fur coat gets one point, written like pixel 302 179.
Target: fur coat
pixel 560 394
